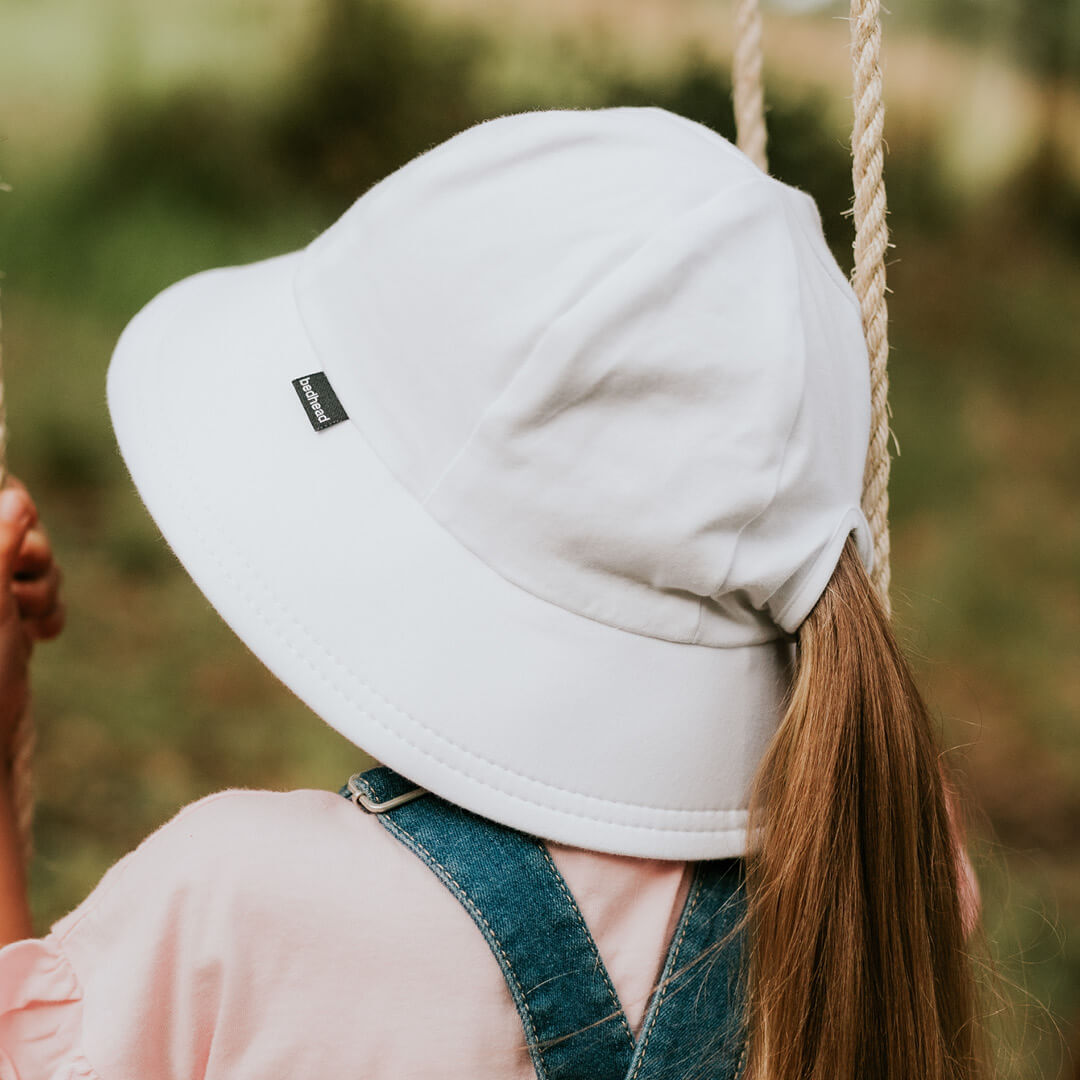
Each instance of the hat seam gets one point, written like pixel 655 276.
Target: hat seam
pixel 438 150
pixel 841 286
pixel 599 283
pixel 688 641
pixel 788 439
pixel 712 138
pixel 832 270
pixel 706 135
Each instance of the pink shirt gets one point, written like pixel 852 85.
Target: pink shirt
pixel 261 935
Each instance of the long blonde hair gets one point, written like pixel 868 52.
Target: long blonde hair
pixel 857 963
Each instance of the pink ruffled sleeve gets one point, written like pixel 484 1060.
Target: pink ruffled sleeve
pixel 40 1015
pixel 125 986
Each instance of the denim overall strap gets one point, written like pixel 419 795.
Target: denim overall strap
pixel 694 1027
pixel 574 1026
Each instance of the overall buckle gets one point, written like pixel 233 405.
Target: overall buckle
pixel 358 795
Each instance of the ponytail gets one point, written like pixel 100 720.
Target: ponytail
pixel 858 968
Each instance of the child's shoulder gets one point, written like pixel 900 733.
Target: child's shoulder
pixel 240 815
pixel 231 848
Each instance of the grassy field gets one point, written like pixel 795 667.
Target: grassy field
pixel 147 142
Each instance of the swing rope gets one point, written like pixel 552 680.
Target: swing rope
pixel 871 243
pixel 871 228
pixel 22 748
pixel 747 87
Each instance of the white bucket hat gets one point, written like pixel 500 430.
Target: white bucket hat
pixel 522 474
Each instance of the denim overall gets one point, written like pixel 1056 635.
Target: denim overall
pixel 574 1026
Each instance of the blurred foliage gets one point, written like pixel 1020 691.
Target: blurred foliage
pixel 1047 35
pixel 382 86
pixel 148 701
pixel 1043 34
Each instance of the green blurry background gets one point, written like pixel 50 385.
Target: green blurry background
pixel 145 140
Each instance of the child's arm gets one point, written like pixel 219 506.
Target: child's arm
pixel 14 909
pixel 30 610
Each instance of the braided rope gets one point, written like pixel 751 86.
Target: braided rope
pixel 871 243
pixel 747 91
pixel 22 749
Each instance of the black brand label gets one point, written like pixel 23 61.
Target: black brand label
pixel 319 400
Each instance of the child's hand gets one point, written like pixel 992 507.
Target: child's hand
pixel 30 606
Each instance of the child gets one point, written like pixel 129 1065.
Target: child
pixel 537 476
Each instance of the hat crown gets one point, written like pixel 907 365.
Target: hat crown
pixel 615 360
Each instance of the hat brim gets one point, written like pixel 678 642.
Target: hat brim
pixel 390 629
